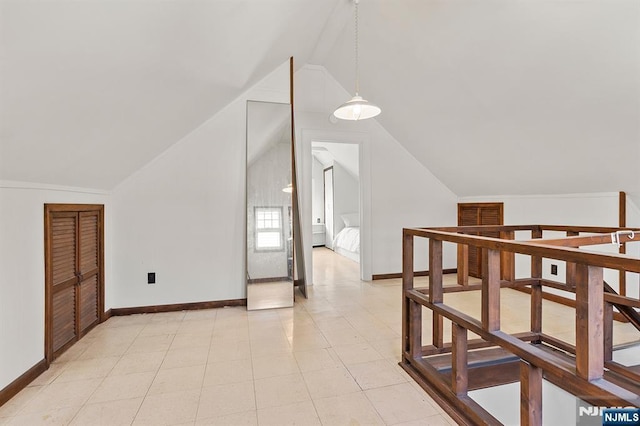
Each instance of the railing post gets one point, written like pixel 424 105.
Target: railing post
pixel 589 322
pixel 530 394
pixel 622 223
pixel 607 317
pixel 463 264
pixel 570 274
pixel 508 265
pixel 407 284
pixel 435 288
pixel 536 289
pixel 459 366
pixel 415 329
pixel 491 291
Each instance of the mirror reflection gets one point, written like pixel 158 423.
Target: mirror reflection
pixel 269 210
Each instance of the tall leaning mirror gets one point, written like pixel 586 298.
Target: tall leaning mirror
pixel 269 248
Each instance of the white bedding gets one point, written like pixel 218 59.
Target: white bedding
pixel 348 239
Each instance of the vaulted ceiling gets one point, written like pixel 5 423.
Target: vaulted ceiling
pixel 494 97
pixel 93 90
pixel 506 97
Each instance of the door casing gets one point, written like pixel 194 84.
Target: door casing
pixel 49 211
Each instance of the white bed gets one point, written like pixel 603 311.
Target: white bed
pixel 347 243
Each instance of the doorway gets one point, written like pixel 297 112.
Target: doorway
pixel 308 181
pixel 74 273
pixel 336 201
pixel 328 207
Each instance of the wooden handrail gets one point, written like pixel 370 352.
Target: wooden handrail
pixel 569 254
pixel 584 369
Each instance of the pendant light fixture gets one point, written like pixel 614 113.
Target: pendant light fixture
pixel 357 108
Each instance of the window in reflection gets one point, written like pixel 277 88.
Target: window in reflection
pixel 269 228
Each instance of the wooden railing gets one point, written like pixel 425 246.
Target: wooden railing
pixel 448 371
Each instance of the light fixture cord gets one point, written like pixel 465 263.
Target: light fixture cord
pixel 357 53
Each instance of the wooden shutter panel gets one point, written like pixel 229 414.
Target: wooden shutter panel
pixel 479 214
pixel 89 261
pixel 88 303
pixel 89 248
pixel 64 248
pixel 490 215
pixel 64 317
pixel 64 263
pixel 468 216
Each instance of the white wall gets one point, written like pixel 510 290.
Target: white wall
pixel 317 191
pixel 598 209
pixel 633 221
pixel 398 191
pixel 183 215
pixel 22 268
pixel 346 197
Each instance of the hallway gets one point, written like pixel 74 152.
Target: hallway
pixel 330 360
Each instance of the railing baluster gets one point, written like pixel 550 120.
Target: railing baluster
pixel 491 291
pixel 607 318
pixel 530 394
pixel 570 268
pixel 536 289
pixel 584 375
pixel 415 325
pixel 459 370
pixel 508 267
pixel 435 288
pixel 407 284
pixel 463 265
pixel 589 322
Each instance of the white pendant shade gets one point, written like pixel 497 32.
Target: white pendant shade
pixel 356 109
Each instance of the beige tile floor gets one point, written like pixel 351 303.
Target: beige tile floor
pixel 329 360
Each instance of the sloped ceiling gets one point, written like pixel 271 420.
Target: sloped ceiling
pixel 344 154
pixel 503 96
pixel 495 97
pixel 92 90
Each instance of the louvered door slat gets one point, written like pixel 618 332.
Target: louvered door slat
pixel 468 217
pixel 89 249
pixel 491 215
pixel 64 268
pixel 63 248
pixel 88 303
pixel 64 318
pixel 89 262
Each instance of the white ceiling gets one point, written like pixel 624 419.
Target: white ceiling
pixel 505 96
pixel 345 154
pixel 92 90
pixel 268 124
pixel 493 96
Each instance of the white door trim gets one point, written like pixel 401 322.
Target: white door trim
pixel 305 161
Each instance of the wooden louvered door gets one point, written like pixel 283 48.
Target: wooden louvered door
pixel 89 277
pixel 471 214
pixel 74 274
pixel 64 266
